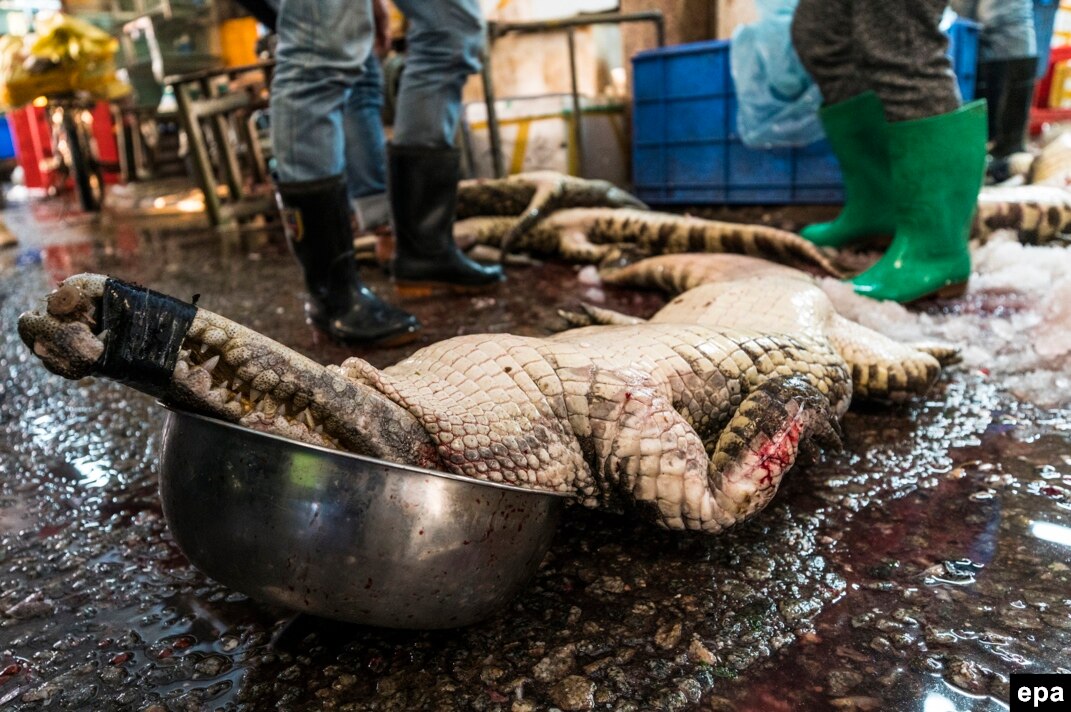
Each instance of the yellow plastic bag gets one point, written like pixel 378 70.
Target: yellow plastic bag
pixel 65 56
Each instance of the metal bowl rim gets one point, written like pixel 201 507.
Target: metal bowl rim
pixel 411 469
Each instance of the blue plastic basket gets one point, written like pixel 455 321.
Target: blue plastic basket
pixel 686 148
pixel 963 51
pixel 7 147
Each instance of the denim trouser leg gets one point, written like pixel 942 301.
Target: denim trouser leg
pixel 445 38
pixel 366 157
pixel 1007 27
pixel 323 45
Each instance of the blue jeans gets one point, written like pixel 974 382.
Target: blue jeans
pixel 362 123
pixel 1007 27
pixel 445 41
pixel 321 59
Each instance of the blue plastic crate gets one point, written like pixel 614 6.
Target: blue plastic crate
pixel 686 149
pixel 963 51
pixel 7 147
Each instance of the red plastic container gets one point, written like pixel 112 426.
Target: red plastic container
pixel 33 145
pixel 1042 113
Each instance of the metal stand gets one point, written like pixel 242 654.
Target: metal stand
pixel 72 144
pixel 140 158
pixel 569 25
pixel 227 117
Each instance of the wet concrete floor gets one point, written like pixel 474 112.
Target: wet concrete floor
pixel 915 570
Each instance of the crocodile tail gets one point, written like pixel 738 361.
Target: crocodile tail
pixel 781 421
pixel 712 236
pixel 791 248
pixel 664 272
pixel 655 461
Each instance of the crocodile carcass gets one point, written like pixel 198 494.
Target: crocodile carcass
pixel 690 426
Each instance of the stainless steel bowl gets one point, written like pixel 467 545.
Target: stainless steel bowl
pixel 344 536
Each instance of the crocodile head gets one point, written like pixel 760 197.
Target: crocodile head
pixel 66 336
pixel 92 325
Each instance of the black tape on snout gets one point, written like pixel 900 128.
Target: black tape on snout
pixel 145 332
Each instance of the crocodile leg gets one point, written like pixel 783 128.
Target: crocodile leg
pixel 882 369
pixel 543 202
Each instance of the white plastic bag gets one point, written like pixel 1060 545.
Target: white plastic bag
pixel 778 101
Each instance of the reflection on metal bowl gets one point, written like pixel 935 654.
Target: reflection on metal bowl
pixel 347 537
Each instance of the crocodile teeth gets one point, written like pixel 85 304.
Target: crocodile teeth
pixel 210 363
pixel 254 394
pixel 204 348
pixel 181 370
pixel 308 419
pixel 319 429
pixel 103 336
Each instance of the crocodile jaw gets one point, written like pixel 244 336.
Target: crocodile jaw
pixel 65 335
pixel 228 371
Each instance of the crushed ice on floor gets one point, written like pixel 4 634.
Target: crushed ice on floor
pixel 1014 324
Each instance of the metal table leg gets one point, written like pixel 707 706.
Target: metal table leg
pixel 232 173
pixel 202 162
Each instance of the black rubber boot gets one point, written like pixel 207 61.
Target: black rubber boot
pixel 423 196
pixel 316 219
pixel 1015 112
pixel 1008 88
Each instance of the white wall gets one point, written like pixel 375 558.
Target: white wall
pixel 506 10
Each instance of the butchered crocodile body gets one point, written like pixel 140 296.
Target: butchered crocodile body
pixel 690 425
pixel 594 235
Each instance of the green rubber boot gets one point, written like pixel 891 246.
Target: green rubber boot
pixel 937 168
pixel 856 132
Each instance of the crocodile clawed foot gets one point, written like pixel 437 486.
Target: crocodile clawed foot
pixel 620 256
pixel 946 354
pixel 575 319
pixel 591 315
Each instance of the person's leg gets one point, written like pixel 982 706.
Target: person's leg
pixel 822 37
pixel 366 151
pixel 854 123
pixel 1007 62
pixel 1012 105
pixel 936 149
pixel 445 41
pixel 444 44
pixel 322 47
pixel 904 55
